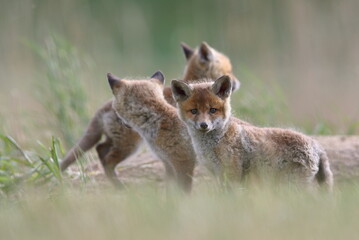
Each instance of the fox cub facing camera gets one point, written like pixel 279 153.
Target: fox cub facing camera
pixel 121 141
pixel 229 148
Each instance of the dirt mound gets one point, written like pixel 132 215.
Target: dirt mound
pixel 343 153
pixel 144 167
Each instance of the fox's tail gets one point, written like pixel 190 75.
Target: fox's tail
pixel 92 136
pixel 324 175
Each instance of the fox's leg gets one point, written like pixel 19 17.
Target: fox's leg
pixel 103 148
pixel 181 172
pixel 114 151
pixel 185 175
pixel 110 157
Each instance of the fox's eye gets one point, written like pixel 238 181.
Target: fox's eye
pixel 213 110
pixel 194 111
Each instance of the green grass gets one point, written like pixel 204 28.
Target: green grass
pixel 324 127
pixel 20 168
pixel 259 102
pixel 37 202
pixel 62 93
pixel 149 213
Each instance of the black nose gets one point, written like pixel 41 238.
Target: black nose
pixel 204 125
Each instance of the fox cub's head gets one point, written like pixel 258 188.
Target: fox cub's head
pixel 203 106
pixel 129 93
pixel 206 62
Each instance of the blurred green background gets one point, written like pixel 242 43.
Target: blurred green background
pixel 298 61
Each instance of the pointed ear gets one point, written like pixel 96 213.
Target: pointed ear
pixel 159 76
pixel 180 90
pixel 188 52
pixel 205 52
pixel 236 84
pixel 222 87
pixel 114 82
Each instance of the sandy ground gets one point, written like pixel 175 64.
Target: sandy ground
pixel 141 168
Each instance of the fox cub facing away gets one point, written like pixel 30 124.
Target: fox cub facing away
pixel 234 150
pixel 141 105
pixel 122 141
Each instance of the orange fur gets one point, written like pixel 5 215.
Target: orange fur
pixel 232 149
pixel 121 141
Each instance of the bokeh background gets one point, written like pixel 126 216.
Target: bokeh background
pixel 298 61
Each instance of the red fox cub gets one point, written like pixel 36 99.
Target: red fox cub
pixel 141 105
pixel 234 150
pixel 122 141
pixel 204 63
